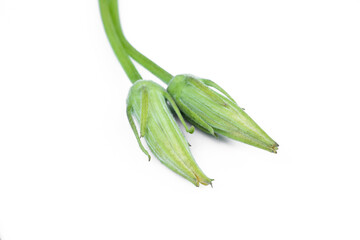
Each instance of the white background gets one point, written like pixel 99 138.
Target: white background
pixel 70 167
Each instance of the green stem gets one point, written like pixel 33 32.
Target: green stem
pixel 133 53
pixel 117 46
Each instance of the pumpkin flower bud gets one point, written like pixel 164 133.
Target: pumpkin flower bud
pixel 147 102
pixel 216 113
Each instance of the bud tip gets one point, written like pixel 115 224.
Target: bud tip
pixel 192 129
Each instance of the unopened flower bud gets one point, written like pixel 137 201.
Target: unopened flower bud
pixel 147 101
pixel 216 113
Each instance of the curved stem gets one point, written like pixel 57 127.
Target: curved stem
pixel 135 54
pixel 117 46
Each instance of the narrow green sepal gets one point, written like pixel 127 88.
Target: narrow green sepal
pixel 177 111
pixel 217 87
pixel 144 111
pixel 203 88
pixel 133 127
pixel 195 118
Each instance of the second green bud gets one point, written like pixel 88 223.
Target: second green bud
pixel 216 113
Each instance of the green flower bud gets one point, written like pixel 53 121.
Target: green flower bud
pixel 216 113
pixel 147 101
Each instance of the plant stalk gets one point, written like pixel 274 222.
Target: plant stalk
pixel 115 42
pixel 133 53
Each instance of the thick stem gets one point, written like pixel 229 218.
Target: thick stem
pixel 133 53
pixel 117 46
